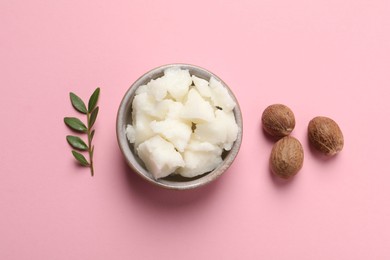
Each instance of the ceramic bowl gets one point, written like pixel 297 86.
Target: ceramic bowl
pixel 173 181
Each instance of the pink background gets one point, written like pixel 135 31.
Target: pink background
pixel 324 57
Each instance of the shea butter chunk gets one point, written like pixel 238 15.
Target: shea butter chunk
pixel 159 156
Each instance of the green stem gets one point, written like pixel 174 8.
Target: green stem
pixel 90 150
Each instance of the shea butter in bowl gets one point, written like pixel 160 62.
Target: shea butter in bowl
pixel 179 126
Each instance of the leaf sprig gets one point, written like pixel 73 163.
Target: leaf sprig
pixel 77 125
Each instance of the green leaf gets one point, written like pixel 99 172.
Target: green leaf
pixel 77 143
pixel 80 158
pixel 92 134
pixel 75 124
pixel 93 117
pixel 77 103
pixel 93 100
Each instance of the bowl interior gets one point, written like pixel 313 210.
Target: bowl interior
pixel 173 181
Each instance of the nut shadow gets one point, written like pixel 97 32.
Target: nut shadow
pixel 322 158
pixel 280 183
pixel 270 139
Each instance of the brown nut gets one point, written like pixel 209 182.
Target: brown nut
pixel 278 120
pixel 286 157
pixel 325 135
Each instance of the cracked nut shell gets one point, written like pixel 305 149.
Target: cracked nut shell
pixel 325 135
pixel 286 157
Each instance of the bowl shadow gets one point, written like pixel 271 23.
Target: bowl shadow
pixel 160 197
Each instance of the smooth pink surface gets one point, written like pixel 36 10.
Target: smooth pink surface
pixel 325 57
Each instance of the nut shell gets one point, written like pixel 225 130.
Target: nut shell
pixel 278 120
pixel 286 157
pixel 325 135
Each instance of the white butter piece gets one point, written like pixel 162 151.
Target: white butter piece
pixel 222 131
pixel 178 82
pixel 202 86
pixel 175 131
pixel 196 109
pixel 141 126
pixel 220 95
pixel 181 124
pixel 159 156
pixel 197 163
